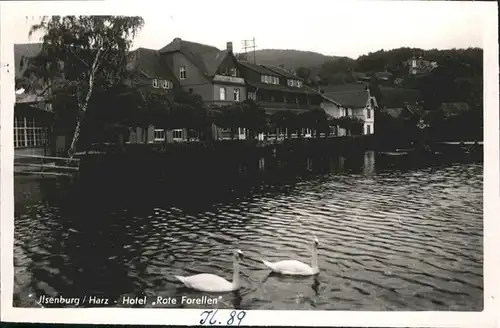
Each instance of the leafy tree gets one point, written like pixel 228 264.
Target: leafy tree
pixel 228 117
pixel 253 117
pixel 304 73
pixel 82 54
pixel 317 120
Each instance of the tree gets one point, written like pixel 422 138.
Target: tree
pixel 304 73
pixel 317 120
pixel 253 118
pixel 82 54
pixel 228 117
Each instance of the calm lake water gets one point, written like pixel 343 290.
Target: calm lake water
pixel 390 239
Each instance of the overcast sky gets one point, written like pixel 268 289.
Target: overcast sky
pixel 343 28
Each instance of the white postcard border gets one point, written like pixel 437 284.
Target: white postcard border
pixel 487 318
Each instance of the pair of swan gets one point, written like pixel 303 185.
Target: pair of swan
pixel 207 282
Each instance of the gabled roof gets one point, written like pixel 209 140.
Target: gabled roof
pixel 149 62
pixel 206 58
pixel 178 44
pixel 331 100
pixel 353 95
pixel 212 61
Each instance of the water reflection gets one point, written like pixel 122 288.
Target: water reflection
pixel 391 239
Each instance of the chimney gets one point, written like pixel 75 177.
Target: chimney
pixel 229 46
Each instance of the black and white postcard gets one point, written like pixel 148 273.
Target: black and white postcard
pixel 265 163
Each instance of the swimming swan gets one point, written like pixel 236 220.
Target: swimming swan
pixel 297 268
pixel 207 282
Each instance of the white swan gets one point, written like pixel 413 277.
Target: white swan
pixel 297 268
pixel 207 282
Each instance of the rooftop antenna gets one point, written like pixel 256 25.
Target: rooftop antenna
pixel 249 44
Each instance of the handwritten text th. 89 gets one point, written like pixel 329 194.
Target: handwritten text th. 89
pixel 209 318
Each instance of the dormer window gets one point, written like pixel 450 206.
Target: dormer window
pixel 155 83
pixel 234 72
pixel 182 73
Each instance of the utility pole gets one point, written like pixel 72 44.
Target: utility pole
pixel 249 44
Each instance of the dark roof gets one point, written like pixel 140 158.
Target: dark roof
pixel 415 109
pixel 352 95
pixel 212 61
pixel 206 58
pixel 257 68
pixel 178 44
pixel 394 112
pixel 149 62
pixel 398 97
pixel 282 72
pixel 409 110
pixel 24 50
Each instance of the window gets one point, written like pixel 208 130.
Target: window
pixel 368 129
pixel 234 72
pixel 182 73
pixel 290 83
pixel 263 78
pixel 159 135
pixel 177 134
pixel 299 84
pixel 372 102
pixel 368 113
pixel 236 94
pixel 276 80
pixel 251 95
pixel 28 134
pixel 166 84
pixel 155 83
pixel 222 93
